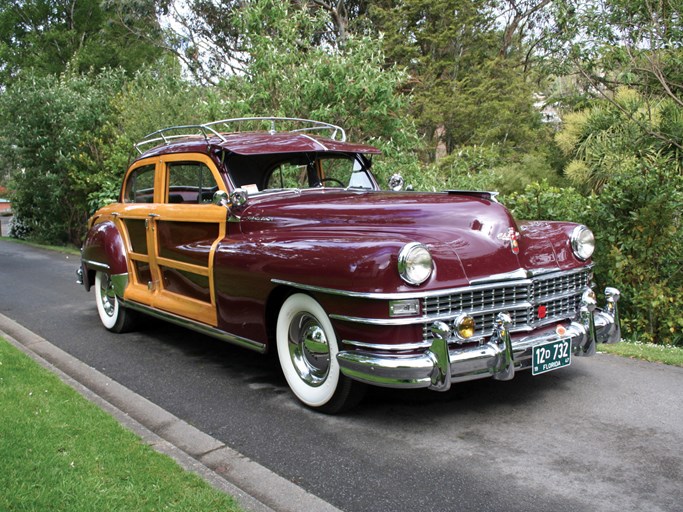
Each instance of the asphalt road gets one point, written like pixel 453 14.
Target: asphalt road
pixel 605 434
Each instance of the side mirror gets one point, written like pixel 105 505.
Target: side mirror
pixel 239 198
pixel 396 182
pixel 220 198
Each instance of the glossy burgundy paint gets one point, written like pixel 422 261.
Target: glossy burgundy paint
pixel 465 234
pixel 103 244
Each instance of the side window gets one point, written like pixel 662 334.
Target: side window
pixel 140 185
pixel 190 183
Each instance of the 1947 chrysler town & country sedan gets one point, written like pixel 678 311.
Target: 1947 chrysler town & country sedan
pixel 281 240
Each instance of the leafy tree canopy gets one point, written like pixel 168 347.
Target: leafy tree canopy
pixel 47 36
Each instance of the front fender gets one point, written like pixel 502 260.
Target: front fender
pixel 365 262
pixel 103 250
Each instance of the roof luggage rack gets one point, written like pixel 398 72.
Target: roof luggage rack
pixel 206 130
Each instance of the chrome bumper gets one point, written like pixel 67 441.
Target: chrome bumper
pixel 440 365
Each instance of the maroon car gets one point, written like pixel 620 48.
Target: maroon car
pixel 281 239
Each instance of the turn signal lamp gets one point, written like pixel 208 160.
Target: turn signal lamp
pixel 406 307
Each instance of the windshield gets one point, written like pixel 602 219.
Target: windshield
pixel 298 171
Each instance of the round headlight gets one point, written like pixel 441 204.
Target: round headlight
pixel 415 263
pixel 583 242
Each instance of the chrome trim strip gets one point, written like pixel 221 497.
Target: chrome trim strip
pixel 197 326
pixel 315 141
pixel 390 348
pixel 397 295
pixel 427 293
pixel 520 273
pixel 432 318
pixel 379 321
pixel 96 265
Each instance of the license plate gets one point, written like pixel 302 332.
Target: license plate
pixel 551 356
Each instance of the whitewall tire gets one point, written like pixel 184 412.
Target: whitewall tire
pixel 113 315
pixel 307 349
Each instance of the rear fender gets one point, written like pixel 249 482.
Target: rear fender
pixel 104 250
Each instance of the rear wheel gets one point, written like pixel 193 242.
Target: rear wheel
pixel 113 315
pixel 307 349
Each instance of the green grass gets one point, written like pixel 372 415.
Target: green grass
pixel 646 351
pixel 58 452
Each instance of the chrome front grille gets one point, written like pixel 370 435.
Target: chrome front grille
pixel 476 300
pixel 559 294
pixel 548 287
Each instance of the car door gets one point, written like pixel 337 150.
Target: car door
pixel 173 261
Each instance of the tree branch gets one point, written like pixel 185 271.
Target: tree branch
pixel 658 135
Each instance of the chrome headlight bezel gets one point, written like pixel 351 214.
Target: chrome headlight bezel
pixel 583 242
pixel 415 263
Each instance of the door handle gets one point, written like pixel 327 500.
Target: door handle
pixel 148 224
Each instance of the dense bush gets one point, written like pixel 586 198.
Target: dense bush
pixel 637 223
pixel 625 154
pixel 54 124
pixel 639 215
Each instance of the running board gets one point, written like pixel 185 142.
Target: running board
pixel 197 326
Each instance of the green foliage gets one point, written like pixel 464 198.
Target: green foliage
pixel 151 100
pixel 542 201
pixel 287 74
pixel 626 149
pixel 639 215
pixel 53 124
pixel 611 137
pixel 614 44
pixel 49 37
pixel 490 168
pixel 468 88
pixel 637 222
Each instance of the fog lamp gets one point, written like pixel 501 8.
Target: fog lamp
pixel 464 326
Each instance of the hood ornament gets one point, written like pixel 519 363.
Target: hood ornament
pixel 512 236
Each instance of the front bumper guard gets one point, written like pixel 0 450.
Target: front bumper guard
pixel 440 366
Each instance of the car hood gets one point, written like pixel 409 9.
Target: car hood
pixel 470 235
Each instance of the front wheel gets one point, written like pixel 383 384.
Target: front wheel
pixel 307 349
pixel 113 315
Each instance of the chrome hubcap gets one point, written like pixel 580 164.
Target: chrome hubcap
pixel 309 349
pixel 107 296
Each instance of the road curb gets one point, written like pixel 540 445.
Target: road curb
pixel 256 488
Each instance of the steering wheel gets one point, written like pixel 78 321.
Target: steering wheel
pixel 334 180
